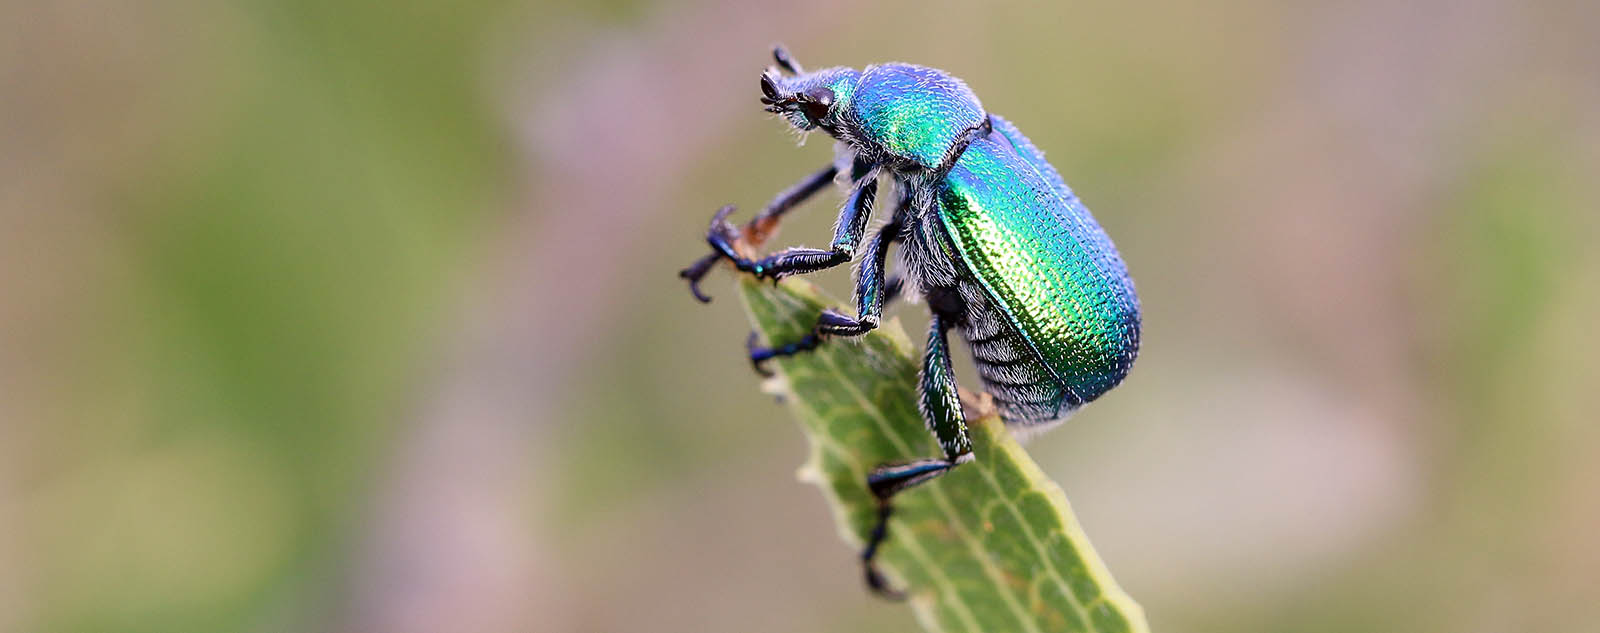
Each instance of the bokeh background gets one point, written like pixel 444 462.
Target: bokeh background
pixel 346 316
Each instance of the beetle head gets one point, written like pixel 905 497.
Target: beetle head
pixel 809 100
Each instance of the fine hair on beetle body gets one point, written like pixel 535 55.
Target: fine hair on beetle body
pixel 986 233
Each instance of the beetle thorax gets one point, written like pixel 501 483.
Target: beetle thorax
pixel 913 115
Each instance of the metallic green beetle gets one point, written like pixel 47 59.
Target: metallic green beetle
pixel 992 238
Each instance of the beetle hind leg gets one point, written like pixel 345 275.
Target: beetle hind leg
pixel 941 410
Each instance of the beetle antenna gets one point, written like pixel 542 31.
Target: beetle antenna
pixel 785 60
pixel 769 89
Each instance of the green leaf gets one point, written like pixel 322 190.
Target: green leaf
pixel 990 547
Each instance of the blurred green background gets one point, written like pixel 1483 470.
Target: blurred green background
pixel 346 316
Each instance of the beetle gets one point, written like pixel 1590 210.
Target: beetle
pixel 990 236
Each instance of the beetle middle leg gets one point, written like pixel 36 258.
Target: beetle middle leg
pixel 941 410
pixel 874 291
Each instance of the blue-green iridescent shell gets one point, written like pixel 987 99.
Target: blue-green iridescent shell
pixel 1050 312
pixel 1044 263
pixel 913 113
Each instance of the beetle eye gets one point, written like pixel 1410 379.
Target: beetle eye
pixel 817 103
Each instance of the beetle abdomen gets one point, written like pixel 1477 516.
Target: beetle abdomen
pixel 1025 389
pixel 1047 269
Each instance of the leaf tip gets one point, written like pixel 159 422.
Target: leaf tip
pixel 775 386
pixel 810 473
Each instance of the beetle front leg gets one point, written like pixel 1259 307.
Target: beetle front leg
pixel 794 261
pixel 941 410
pixel 758 228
